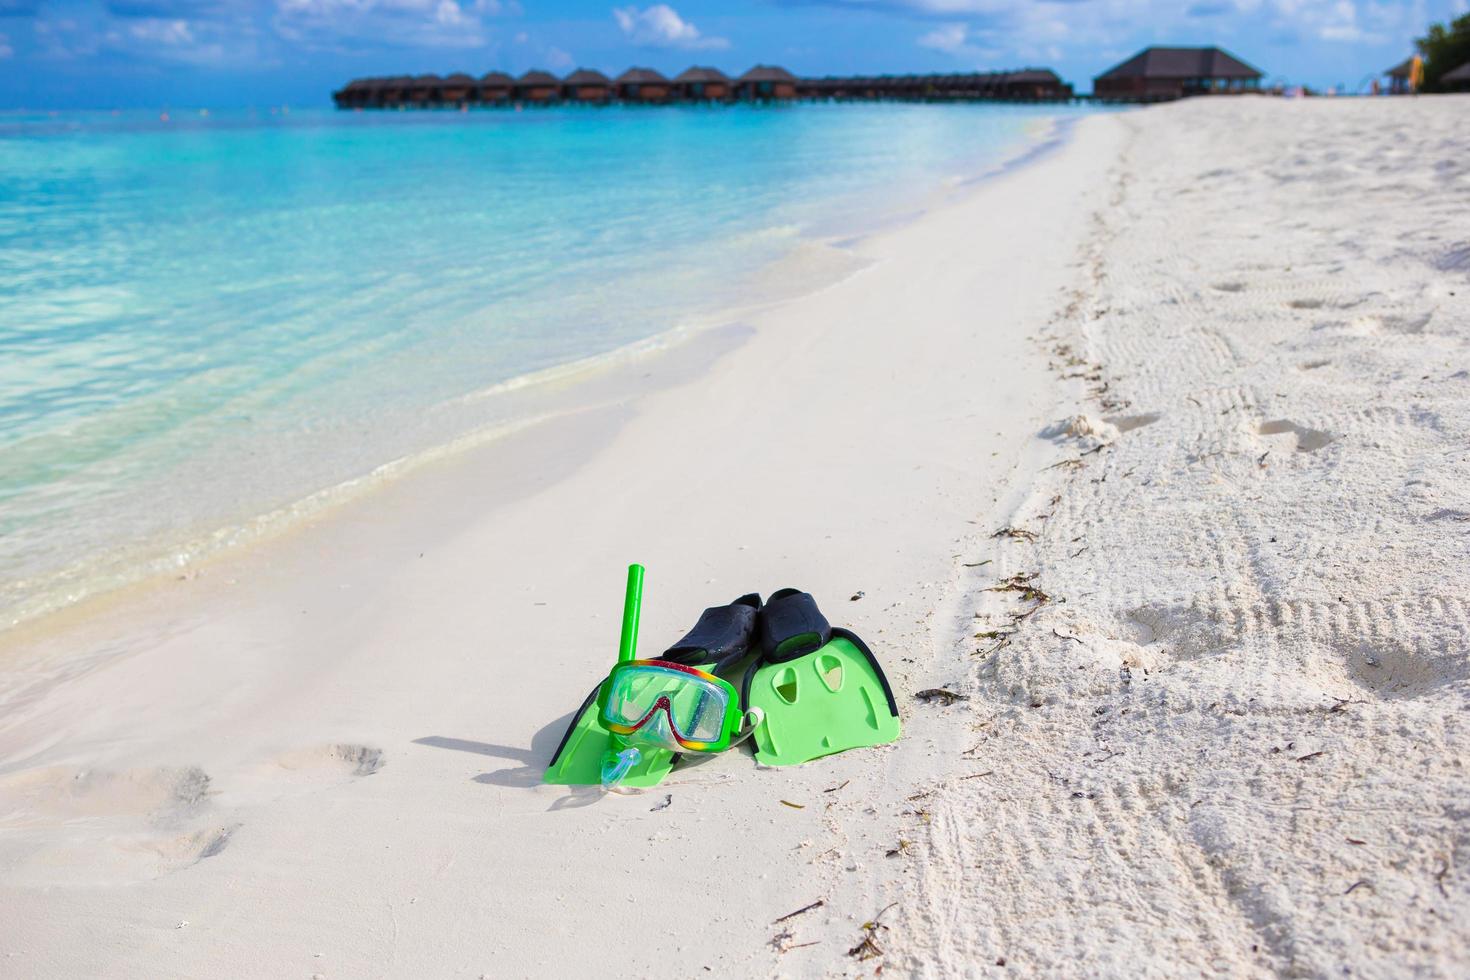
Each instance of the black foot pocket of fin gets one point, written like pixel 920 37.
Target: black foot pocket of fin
pixel 722 636
pixel 792 626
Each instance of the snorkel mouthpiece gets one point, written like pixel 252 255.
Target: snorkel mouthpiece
pixel 616 764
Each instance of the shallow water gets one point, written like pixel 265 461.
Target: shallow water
pixel 209 319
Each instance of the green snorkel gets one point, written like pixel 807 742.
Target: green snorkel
pixel 632 606
pixel 620 756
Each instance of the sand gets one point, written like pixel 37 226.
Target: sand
pixel 1235 738
pixel 1205 367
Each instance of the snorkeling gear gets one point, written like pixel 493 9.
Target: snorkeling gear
pixel 590 754
pixel 812 690
pixel 820 690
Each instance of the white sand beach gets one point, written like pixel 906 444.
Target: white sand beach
pixel 1152 451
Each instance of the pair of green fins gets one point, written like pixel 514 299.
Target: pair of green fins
pixel 819 689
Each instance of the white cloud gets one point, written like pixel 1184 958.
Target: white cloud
pixel 558 59
pixel 190 42
pixel 408 23
pixel 153 30
pixel 1028 28
pixel 948 38
pixel 207 43
pixel 961 42
pixel 449 14
pixel 660 26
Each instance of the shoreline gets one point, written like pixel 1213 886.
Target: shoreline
pixel 424 650
pixel 832 251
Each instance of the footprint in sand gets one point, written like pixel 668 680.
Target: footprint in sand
pixel 139 824
pixel 111 826
pixel 183 850
pixel 340 759
pixel 73 793
pixel 1412 324
pixel 1127 423
pixel 1456 259
pixel 1307 440
pixel 1387 667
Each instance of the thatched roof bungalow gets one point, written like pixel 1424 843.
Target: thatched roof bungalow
pixel 457 89
pixel 702 85
pixel 1398 77
pixel 1402 69
pixel 537 86
pixel 423 89
pixel 1034 83
pixel 356 94
pixel 496 87
pixel 766 82
pixel 909 86
pixel 1159 74
pixel 642 85
pixel 394 90
pixel 586 85
pixel 1457 79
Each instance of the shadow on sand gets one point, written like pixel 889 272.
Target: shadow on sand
pixel 533 762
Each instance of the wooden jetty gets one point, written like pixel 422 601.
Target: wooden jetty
pixel 644 86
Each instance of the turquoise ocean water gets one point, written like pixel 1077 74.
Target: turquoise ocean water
pixel 207 320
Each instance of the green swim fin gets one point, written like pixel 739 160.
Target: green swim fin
pixel 720 639
pixel 820 689
pixel 578 759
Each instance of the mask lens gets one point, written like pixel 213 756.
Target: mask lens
pixel 699 711
pixel 696 707
pixel 633 693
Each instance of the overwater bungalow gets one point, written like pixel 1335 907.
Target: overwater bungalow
pixel 536 86
pixel 370 94
pixel 458 89
pixel 1458 79
pixel 356 94
pixel 586 85
pixel 1161 74
pixel 765 82
pixel 642 85
pixel 393 91
pixel 1034 83
pixel 702 85
pixel 496 88
pixel 424 89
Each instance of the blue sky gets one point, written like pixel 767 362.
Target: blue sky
pixel 125 53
